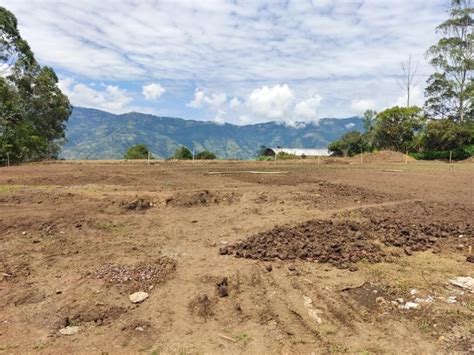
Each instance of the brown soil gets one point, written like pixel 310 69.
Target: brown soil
pixel 77 238
pixel 201 198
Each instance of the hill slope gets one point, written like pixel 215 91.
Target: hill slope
pixel 95 134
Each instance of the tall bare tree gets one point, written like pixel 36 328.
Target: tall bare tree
pixel 408 80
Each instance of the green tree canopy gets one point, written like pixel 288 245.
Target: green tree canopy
pixel 350 144
pixel 444 135
pixel 206 155
pixel 183 153
pixel 32 108
pixel 450 91
pixel 138 151
pixel 396 128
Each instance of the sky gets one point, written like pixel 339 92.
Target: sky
pixel 233 61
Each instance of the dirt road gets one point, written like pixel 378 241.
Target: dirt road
pixel 328 258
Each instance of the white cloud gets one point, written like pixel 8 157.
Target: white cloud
pixel 235 103
pixel 307 109
pixel 214 101
pixel 153 91
pixel 271 102
pixel 416 98
pixel 111 98
pixel 361 105
pixel 347 49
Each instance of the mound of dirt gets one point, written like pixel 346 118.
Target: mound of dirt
pixel 140 276
pixel 341 243
pixel 383 156
pixel 202 198
pixel 137 204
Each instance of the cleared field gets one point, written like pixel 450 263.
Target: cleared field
pixel 326 258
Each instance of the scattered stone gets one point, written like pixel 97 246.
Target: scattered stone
pixel 353 268
pixel 138 297
pixel 460 247
pixel 470 259
pixel 23 233
pixel 69 330
pixel 409 305
pixel 139 329
pixel 269 267
pixel 466 283
pixel 451 300
pixel 292 268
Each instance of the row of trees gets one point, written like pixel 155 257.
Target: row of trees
pixel 141 151
pixel 445 124
pixel 406 129
pixel 33 111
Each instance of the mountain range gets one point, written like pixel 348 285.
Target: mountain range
pixel 95 134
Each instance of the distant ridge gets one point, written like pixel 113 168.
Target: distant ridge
pixel 96 134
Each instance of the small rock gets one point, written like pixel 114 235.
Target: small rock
pixel 140 329
pixel 353 268
pixel 58 292
pixel 269 267
pixel 451 300
pixel 23 233
pixel 470 259
pixel 138 297
pixel 460 247
pixel 409 305
pixel 292 267
pixel 69 330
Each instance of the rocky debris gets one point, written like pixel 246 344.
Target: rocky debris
pixel 222 287
pixel 138 276
pixel 69 330
pixel 138 297
pixel 202 199
pixel 466 283
pixel 269 267
pixel 137 204
pixel 470 259
pixel 342 243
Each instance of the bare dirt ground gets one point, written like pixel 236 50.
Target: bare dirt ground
pixel 329 258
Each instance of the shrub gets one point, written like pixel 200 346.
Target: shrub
pixel 139 151
pixel 206 155
pixel 285 156
pixel 350 144
pixel 182 153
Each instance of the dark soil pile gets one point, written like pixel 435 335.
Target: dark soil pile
pixel 138 204
pixel 343 242
pixel 202 198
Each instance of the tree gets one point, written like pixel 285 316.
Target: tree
pixel 206 155
pixel 444 135
pixel 369 120
pixel 183 153
pixel 138 151
pixel 261 151
pixel 32 108
pixel 350 144
pixel 408 80
pixel 450 91
pixel 396 128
